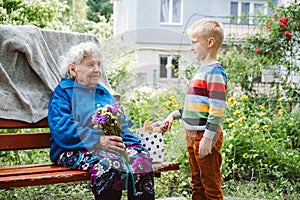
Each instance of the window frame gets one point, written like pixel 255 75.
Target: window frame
pixel 170 13
pixel 170 72
pixel 252 12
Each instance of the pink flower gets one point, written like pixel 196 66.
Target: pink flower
pixel 257 50
pixel 141 165
pixel 288 35
pixel 275 15
pixel 283 22
pixel 268 26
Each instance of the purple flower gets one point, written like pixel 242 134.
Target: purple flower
pixel 103 119
pixel 114 108
pixel 141 165
pixel 109 119
pixel 99 119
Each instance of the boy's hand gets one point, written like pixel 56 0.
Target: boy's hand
pixel 169 121
pixel 161 125
pixel 205 147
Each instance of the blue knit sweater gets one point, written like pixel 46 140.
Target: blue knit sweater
pixel 69 116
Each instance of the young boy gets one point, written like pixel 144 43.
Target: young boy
pixel 203 111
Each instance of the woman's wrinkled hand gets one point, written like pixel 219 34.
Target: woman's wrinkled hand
pixel 112 143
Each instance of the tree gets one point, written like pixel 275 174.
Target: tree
pixel 99 8
pixel 70 15
pixel 33 12
pixel 77 9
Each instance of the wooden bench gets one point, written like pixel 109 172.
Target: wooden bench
pixel 42 174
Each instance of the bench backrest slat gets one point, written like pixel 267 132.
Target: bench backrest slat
pixel 19 141
pixel 14 124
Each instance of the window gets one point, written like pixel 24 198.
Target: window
pixel 234 12
pixel 174 71
pixel 245 8
pixel 244 16
pixel 246 12
pixel 168 66
pixel 258 10
pixel 163 69
pixel 170 11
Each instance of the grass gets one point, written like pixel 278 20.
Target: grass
pixel 257 190
pixel 233 190
pixel 66 191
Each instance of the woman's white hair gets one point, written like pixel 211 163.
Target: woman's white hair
pixel 75 56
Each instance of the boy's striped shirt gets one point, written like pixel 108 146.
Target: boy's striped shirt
pixel 205 100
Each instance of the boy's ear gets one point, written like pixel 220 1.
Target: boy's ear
pixel 211 42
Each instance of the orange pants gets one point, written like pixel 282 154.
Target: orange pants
pixel 205 173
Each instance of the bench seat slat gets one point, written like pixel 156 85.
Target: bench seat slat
pixel 42 174
pixel 43 178
pixel 31 169
pixel 165 166
pixel 41 168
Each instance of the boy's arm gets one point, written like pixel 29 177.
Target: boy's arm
pixel 177 113
pixel 167 123
pixel 173 116
pixel 216 86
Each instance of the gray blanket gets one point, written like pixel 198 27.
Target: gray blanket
pixel 29 69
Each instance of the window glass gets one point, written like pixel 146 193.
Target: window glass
pixel 175 67
pixel 245 8
pixel 167 71
pixel 163 69
pixel 258 10
pixel 234 9
pixel 170 11
pixel 176 11
pixel 164 11
pixel 245 13
pixel 234 12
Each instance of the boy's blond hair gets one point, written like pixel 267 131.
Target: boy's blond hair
pixel 206 28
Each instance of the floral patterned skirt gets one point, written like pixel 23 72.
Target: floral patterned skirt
pixel 109 170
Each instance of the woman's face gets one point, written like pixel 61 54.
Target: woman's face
pixel 88 72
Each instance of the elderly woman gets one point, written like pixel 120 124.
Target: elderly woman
pixel 78 145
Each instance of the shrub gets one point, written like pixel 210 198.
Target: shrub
pixel 261 140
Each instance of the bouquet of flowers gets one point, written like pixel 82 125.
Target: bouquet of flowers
pixel 109 119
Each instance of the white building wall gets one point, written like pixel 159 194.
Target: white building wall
pixel 138 21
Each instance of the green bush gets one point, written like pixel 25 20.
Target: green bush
pixel 151 104
pixel 261 141
pixel 33 12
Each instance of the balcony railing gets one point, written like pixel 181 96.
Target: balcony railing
pixel 238 31
pixel 236 27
